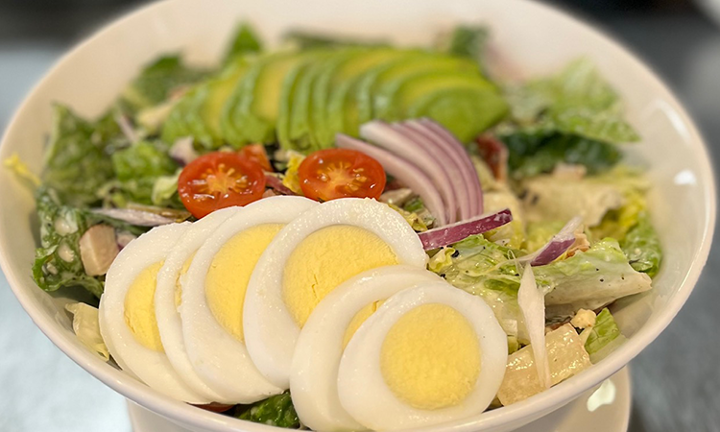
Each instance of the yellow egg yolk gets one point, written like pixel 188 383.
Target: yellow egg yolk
pixel 324 260
pixel 227 279
pixel 140 308
pixel 359 318
pixel 430 357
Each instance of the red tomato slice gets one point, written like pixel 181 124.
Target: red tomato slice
pixel 218 180
pixel 340 173
pixel 257 153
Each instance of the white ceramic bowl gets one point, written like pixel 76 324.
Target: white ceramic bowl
pixel 531 37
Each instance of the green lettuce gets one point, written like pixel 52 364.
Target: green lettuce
pixel 138 168
pixel 276 411
pixel 534 152
pixel 468 41
pixel 602 333
pixel 576 101
pixel 540 233
pixel 58 262
pixel 244 41
pixel 158 80
pixel 642 246
pixel 76 163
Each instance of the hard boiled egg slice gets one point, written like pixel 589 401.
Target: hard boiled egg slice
pixel 429 354
pixel 168 298
pixel 309 258
pixel 320 345
pixel 213 293
pixel 127 313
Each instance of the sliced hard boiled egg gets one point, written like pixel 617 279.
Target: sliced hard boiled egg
pixel 307 260
pixel 213 293
pixel 429 354
pixel 320 345
pixel 168 298
pixel 127 313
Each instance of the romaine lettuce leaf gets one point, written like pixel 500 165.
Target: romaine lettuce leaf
pixel 534 152
pixel 244 41
pixel 642 246
pixel 158 80
pixel 276 411
pixel 590 279
pixel 602 333
pixel 511 235
pixel 76 163
pixel 138 168
pixel 468 41
pixel 575 101
pixel 540 233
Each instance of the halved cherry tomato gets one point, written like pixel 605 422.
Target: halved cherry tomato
pixel 339 173
pixel 257 153
pixel 218 180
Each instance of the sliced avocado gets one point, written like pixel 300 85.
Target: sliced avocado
pixel 194 119
pixel 219 91
pixel 299 136
pixel 342 86
pixel 376 84
pixel 464 111
pixel 176 125
pixel 256 99
pixel 287 94
pixel 322 87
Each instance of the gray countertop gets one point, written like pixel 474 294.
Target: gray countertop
pixel 676 380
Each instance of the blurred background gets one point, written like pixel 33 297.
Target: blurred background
pixel 676 383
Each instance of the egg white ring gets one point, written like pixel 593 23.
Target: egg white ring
pixel 220 359
pixel 271 331
pixel 151 367
pixel 166 311
pixel 314 372
pixel 362 388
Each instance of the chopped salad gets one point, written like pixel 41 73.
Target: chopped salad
pixel 518 192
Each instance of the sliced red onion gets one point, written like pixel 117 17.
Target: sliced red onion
pixel 557 245
pixel 385 136
pixel 135 217
pixel 453 182
pixel 404 171
pixel 472 180
pixel 126 128
pixel 277 185
pixel 447 235
pixel 532 306
pixel 182 151
pixel 459 167
pixel 495 154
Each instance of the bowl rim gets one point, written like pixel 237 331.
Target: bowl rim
pixel 182 413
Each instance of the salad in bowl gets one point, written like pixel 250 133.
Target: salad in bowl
pixel 342 233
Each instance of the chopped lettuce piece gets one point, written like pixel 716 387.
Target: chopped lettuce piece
pixel 165 191
pixel 566 356
pixel 158 80
pixel 534 152
pixel 604 331
pixel 276 411
pixel 244 41
pixel 468 41
pixel 642 246
pixel 415 221
pixel 576 101
pixel 87 328
pixel 138 168
pixel 57 260
pixel 617 222
pixel 76 163
pixel 512 234
pixel 590 279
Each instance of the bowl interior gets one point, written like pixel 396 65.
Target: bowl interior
pixel 530 38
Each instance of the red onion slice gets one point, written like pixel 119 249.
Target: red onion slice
pixel 277 185
pixel 404 171
pixel 385 136
pixel 443 236
pixel 557 245
pixel 469 174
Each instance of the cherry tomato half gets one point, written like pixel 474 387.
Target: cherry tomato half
pixel 218 180
pixel 340 173
pixel 257 153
